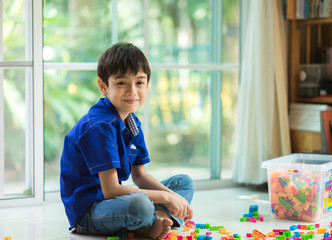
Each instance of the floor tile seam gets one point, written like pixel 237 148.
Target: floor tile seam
pixel 11 218
pixel 53 229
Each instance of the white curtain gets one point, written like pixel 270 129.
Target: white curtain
pixel 262 129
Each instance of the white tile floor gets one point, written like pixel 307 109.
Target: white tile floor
pixel 221 207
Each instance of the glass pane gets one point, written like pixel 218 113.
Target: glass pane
pixel 14 31
pixel 17 112
pixel 182 34
pixel 179 119
pixel 230 31
pixel 230 86
pixel 81 30
pixel 131 22
pixel 68 96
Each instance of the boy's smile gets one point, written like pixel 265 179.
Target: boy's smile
pixel 126 92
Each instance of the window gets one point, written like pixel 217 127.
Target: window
pixel 188 118
pixel 21 105
pixel 192 48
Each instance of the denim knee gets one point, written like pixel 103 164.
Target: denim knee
pixel 181 184
pixel 184 181
pixel 140 207
pixel 187 181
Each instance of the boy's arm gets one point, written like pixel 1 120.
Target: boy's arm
pixel 173 201
pixel 145 181
pixel 111 188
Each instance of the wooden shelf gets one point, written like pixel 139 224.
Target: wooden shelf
pixel 314 21
pixel 304 40
pixel 320 100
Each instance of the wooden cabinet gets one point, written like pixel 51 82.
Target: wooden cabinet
pixel 306 36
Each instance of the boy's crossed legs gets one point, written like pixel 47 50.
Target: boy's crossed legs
pixel 136 212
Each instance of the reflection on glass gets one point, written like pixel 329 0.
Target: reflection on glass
pixel 230 31
pixel 18 174
pixel 228 100
pixel 14 30
pixel 80 31
pixel 68 96
pixel 131 22
pixel 182 33
pixel 179 117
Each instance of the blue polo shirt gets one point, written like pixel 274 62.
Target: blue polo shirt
pixel 99 141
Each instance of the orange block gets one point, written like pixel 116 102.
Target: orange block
pixel 258 235
pixel 130 235
pixel 321 230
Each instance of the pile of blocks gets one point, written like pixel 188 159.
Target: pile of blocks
pixel 208 232
pixel 253 215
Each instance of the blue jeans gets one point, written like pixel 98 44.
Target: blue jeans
pixel 132 211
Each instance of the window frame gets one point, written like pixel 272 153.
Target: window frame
pixel 35 19
pixel 216 67
pixel 34 102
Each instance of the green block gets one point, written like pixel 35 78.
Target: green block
pixel 287 234
pixel 285 204
pixel 301 197
pixel 280 237
pixel 113 238
pixel 304 237
pixel 310 227
pixel 207 225
pixel 197 230
pixel 215 228
pixel 311 235
pixel 256 213
pixel 243 219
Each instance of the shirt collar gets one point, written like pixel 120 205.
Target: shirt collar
pixel 131 124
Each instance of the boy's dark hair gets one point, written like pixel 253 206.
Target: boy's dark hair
pixel 122 58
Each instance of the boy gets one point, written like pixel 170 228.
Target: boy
pixel 106 146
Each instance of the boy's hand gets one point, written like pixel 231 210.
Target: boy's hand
pixel 179 206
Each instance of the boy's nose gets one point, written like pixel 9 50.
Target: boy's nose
pixel 132 90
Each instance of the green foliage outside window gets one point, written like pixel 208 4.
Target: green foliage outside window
pixel 179 100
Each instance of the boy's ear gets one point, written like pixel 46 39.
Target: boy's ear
pixel 102 86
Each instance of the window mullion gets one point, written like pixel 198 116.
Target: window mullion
pixel 2 109
pixel 216 83
pixel 115 34
pixel 38 106
pixel 29 163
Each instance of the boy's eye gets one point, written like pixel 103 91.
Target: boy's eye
pixel 140 83
pixel 120 83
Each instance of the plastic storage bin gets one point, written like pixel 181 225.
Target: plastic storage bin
pixel 300 186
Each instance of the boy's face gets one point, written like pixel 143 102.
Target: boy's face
pixel 126 92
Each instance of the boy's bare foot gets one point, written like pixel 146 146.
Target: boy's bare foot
pixel 161 213
pixel 159 229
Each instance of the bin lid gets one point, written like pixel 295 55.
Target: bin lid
pixel 301 161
